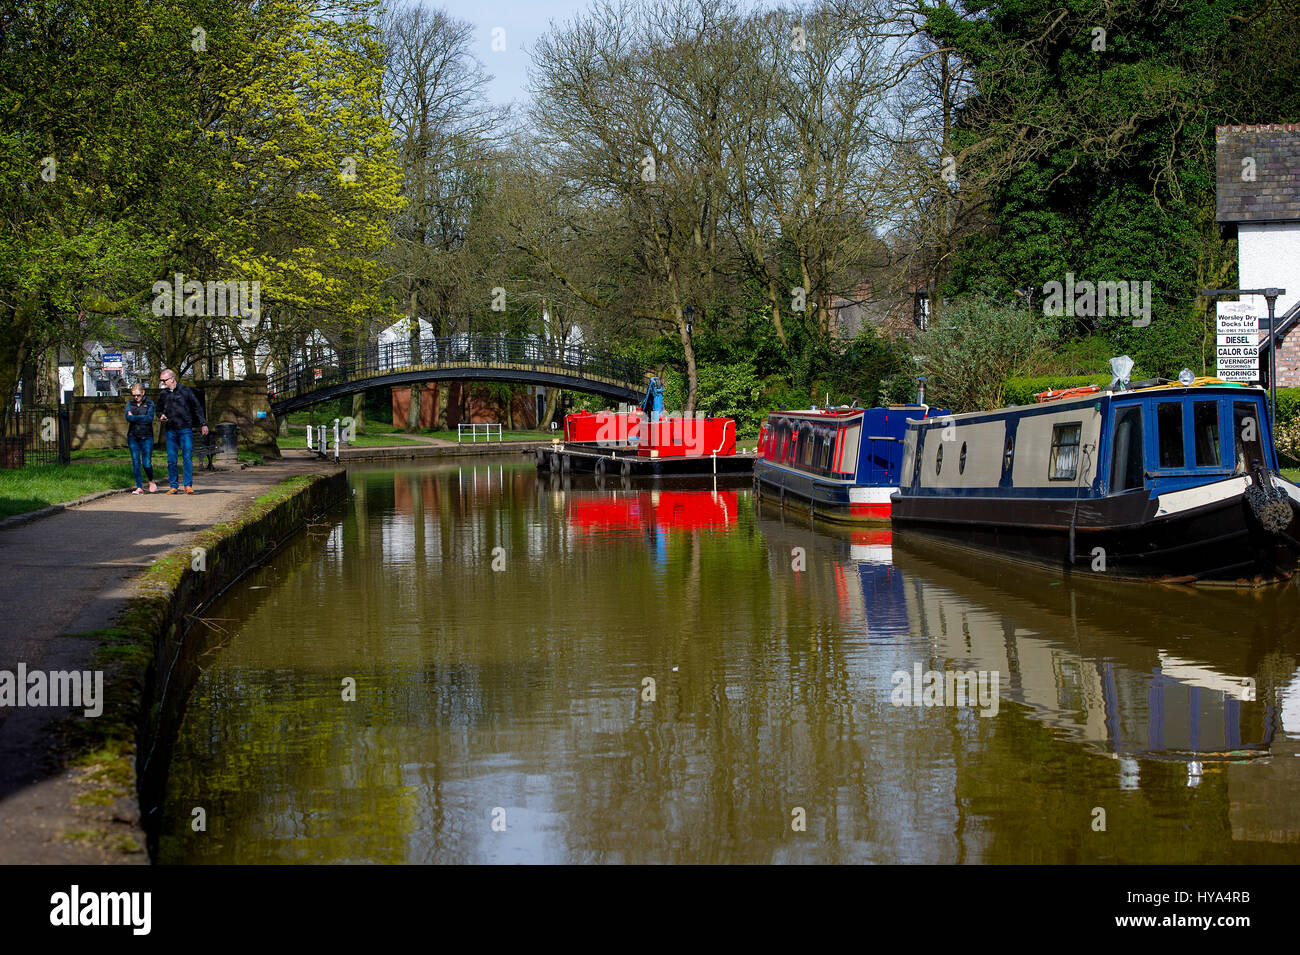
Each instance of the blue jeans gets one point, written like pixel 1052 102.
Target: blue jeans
pixel 184 442
pixel 141 458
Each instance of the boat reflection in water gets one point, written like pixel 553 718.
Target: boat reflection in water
pixel 1133 672
pixel 1204 679
pixel 646 509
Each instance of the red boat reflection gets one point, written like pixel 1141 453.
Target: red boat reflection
pixel 663 510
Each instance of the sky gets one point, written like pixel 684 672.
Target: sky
pixel 524 22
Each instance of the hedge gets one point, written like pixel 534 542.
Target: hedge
pixel 1021 391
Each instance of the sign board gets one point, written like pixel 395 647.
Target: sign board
pixel 1238 341
pixel 112 361
pixel 316 373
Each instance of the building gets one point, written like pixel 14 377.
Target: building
pixel 1258 203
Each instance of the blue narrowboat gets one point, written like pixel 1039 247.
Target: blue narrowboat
pixel 1176 481
pixel 841 464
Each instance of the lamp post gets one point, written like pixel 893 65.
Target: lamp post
pixel 1271 295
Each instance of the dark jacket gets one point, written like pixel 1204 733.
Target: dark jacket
pixel 181 408
pixel 140 416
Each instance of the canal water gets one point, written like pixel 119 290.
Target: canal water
pixel 471 663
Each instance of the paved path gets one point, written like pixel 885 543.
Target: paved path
pixel 71 573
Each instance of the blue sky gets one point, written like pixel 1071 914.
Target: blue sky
pixel 523 21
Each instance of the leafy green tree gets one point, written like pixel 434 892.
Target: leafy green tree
pixel 1090 132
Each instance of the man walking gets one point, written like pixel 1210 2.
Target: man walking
pixel 178 410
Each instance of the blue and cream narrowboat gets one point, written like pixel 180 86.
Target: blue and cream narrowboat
pixel 841 464
pixel 1176 481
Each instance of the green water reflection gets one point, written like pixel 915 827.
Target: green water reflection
pixel 521 689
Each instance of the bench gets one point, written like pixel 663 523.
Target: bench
pixel 206 446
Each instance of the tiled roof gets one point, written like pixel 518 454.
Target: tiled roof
pixel 1274 193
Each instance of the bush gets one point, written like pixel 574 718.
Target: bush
pixel 1021 391
pixel 976 345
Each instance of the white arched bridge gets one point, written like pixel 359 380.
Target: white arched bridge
pixel 462 358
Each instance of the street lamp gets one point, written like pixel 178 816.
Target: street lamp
pixel 688 313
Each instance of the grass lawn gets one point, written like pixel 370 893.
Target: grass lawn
pixel 505 436
pixel 159 455
pixel 297 441
pixel 31 488
pixel 1292 475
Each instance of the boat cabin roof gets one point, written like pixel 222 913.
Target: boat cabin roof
pixel 832 415
pixel 1173 389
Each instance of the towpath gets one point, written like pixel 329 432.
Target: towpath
pixel 71 573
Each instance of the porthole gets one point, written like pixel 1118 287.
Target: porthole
pixel 1008 453
pixel 938 460
pixel 961 462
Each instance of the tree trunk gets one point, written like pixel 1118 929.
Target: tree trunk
pixel 359 412
pixel 692 379
pixel 413 410
pixel 552 405
pixel 444 397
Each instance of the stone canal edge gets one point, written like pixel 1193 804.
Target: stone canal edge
pixel 118 585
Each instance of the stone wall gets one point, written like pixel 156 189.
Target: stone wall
pixel 100 423
pixel 244 404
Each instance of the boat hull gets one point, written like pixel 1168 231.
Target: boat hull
pixel 1207 536
pixel 830 500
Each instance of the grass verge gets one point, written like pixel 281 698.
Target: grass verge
pixel 40 485
pixel 159 456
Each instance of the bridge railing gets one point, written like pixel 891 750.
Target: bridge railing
pixel 372 361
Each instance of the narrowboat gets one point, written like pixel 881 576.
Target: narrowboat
pixel 645 442
pixel 841 464
pixel 1174 481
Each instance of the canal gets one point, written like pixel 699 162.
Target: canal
pixel 471 663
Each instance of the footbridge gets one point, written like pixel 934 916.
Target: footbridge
pixel 462 358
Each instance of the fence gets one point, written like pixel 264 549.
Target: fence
pixel 368 361
pixel 473 431
pixel 35 436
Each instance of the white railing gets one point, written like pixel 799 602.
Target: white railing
pixel 473 430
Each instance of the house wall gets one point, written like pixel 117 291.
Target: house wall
pixel 1269 255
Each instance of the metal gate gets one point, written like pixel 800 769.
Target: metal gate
pixel 35 436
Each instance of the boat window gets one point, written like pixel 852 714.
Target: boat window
pixel 1009 452
pixel 1126 452
pixel 961 462
pixel 1169 433
pixel 1245 424
pixel 818 445
pixel 1205 428
pixel 1064 462
pixel 938 459
pixel 805 446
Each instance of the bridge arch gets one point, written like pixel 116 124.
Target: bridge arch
pixel 461 358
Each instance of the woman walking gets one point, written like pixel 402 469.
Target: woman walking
pixel 139 437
